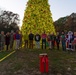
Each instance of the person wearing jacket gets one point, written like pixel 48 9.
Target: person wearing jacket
pixel 31 37
pixel 44 37
pixel 11 39
pixel 37 40
pixel 52 38
pixel 26 40
pixel 63 41
pixel 7 40
pixel 21 36
pixel 2 40
pixel 57 40
pixel 49 40
pixel 74 41
pixel 17 37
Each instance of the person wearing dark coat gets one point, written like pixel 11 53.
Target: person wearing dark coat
pixel 57 40
pixel 31 37
pixel 7 40
pixel 53 39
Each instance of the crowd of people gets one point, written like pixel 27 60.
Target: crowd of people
pixel 15 40
pixel 10 40
pixel 67 41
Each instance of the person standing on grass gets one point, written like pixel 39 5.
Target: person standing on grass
pixel 70 39
pixel 57 40
pixel 11 39
pixel 14 44
pixel 17 36
pixel 21 39
pixel 44 36
pixel 74 41
pixel 37 40
pixel 63 41
pixel 26 40
pixel 2 40
pixel 49 40
pixel 53 39
pixel 7 40
pixel 31 37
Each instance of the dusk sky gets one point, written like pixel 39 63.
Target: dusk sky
pixel 59 8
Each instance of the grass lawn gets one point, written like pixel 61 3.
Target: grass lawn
pixel 26 62
pixel 4 53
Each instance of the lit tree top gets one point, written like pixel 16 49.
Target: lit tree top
pixel 37 17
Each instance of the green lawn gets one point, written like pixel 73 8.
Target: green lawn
pixel 26 62
pixel 4 53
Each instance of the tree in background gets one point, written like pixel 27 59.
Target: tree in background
pixel 66 23
pixel 60 24
pixel 37 17
pixel 8 21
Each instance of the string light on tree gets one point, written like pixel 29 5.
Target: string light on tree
pixel 37 17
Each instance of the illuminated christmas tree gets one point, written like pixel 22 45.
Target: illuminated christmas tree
pixel 37 17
